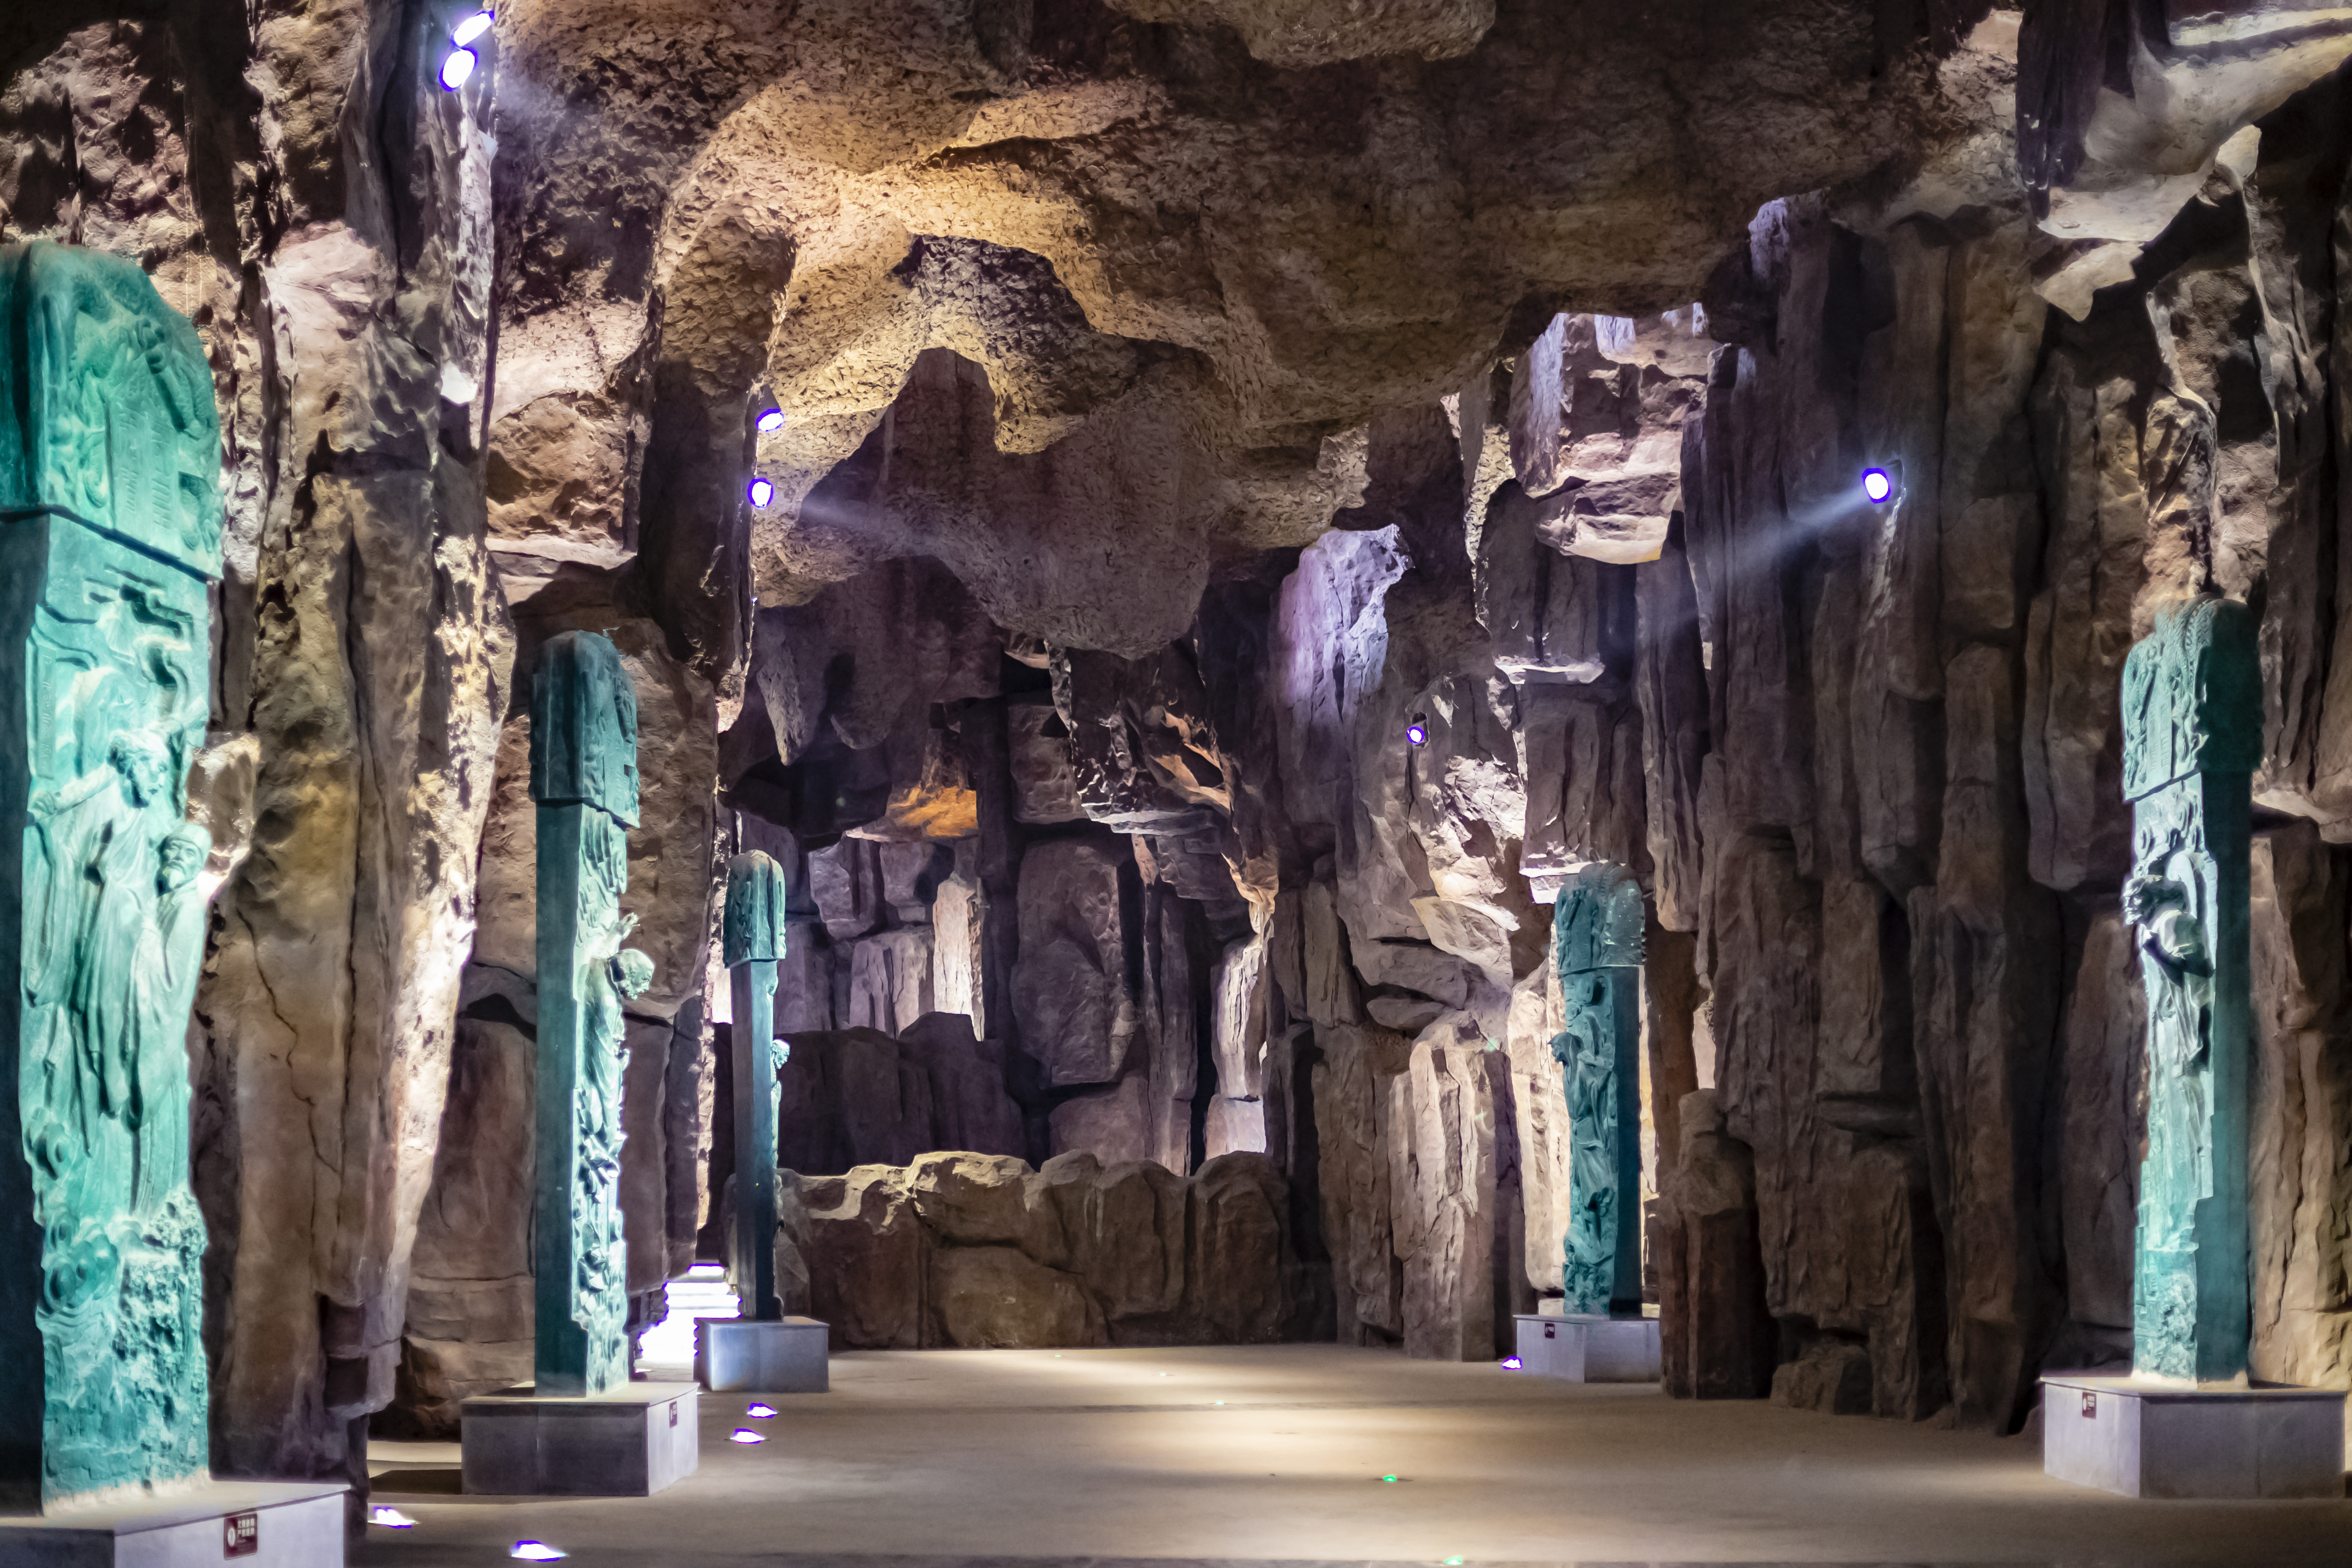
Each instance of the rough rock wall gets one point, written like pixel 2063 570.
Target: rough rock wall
pixel 298 184
pixel 969 1251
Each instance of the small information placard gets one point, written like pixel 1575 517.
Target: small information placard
pixel 241 1535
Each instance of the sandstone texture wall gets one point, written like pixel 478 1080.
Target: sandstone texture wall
pixel 1165 410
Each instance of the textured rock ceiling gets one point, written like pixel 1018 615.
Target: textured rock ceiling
pixel 1183 253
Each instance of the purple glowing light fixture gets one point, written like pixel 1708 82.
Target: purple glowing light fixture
pixel 1879 485
pixel 761 492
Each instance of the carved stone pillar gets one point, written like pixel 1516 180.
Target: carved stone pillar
pixel 583 776
pixel 2192 739
pixel 1597 943
pixel 109 536
pixel 753 939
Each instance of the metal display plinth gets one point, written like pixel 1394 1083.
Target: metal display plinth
pixel 630 1441
pixel 2151 1440
pixel 268 1524
pixel 1589 1348
pixel 786 1357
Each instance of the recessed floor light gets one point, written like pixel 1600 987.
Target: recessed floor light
pixel 536 1551
pixel 761 1412
pixel 391 1519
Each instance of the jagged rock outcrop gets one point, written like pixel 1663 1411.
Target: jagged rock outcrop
pixel 982 1252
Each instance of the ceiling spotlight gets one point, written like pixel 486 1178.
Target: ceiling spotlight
pixel 458 70
pixel 761 492
pixel 773 419
pixel 471 28
pixel 1877 485
pixel 1416 731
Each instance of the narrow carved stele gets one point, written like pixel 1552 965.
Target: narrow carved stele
pixel 2192 739
pixel 1597 945
pixel 751 937
pixel 584 775
pixel 110 533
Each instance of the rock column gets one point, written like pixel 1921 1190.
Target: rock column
pixel 1597 943
pixel 752 937
pixel 2192 739
pixel 583 776
pixel 109 535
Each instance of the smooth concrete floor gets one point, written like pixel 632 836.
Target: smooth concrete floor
pixel 1249 1455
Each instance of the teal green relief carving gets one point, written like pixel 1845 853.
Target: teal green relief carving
pixel 583 770
pixel 110 532
pixel 1597 945
pixel 2192 739
pixel 751 940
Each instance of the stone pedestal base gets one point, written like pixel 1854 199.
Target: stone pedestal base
pixel 631 1441
pixel 2145 1439
pixel 736 1356
pixel 269 1525
pixel 1589 1348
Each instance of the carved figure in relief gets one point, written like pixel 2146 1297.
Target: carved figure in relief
pixel 2192 714
pixel 109 530
pixel 1597 945
pixel 584 778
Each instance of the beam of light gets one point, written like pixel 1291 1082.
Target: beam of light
pixel 761 492
pixel 1877 485
pixel 773 419
pixel 471 28
pixel 391 1519
pixel 458 70
pixel 536 1551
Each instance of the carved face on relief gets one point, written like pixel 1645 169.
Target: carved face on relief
pixel 146 772
pixel 183 850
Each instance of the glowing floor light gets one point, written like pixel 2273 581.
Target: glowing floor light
pixel 458 70
pixel 761 492
pixel 1511 1363
pixel 1877 485
pixel 761 1412
pixel 536 1551
pixel 773 419
pixel 745 1435
pixel 391 1519
pixel 471 28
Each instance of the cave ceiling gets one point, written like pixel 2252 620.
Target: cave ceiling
pixel 1084 300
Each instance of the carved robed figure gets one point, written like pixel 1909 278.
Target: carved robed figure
pixel 2192 739
pixel 584 775
pixel 1597 945
pixel 109 536
pixel 751 939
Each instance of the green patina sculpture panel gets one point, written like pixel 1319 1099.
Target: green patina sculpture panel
pixel 583 743
pixel 1597 945
pixel 751 941
pixel 2192 739
pixel 109 531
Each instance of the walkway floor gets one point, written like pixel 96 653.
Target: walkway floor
pixel 1316 1454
